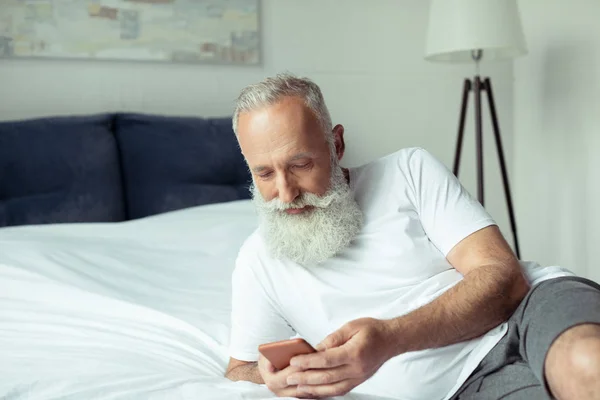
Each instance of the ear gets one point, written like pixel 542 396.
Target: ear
pixel 338 137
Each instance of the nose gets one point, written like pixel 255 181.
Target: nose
pixel 287 189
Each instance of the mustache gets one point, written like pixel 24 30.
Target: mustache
pixel 305 199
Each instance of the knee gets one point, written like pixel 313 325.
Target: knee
pixel 572 366
pixel 576 352
pixel 583 358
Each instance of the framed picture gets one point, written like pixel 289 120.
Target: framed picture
pixel 191 31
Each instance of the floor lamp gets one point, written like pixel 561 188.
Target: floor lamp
pixel 472 31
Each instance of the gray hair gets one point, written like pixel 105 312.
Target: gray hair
pixel 273 89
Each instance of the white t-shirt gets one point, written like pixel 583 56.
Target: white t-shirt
pixel 415 212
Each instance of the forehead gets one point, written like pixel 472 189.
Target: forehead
pixel 280 131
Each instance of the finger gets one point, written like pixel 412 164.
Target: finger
pixel 320 376
pixel 265 368
pixel 323 359
pixel 332 390
pixel 335 339
pixel 270 367
pixel 267 364
pixel 278 380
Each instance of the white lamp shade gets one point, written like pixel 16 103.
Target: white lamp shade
pixel 457 27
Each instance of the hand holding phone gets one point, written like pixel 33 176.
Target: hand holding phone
pixel 280 353
pixel 274 364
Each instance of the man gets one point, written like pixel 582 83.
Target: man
pixel 394 272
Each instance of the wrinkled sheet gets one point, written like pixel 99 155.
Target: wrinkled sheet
pixel 131 310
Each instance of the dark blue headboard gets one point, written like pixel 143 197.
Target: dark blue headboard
pixel 59 170
pixel 114 167
pixel 170 163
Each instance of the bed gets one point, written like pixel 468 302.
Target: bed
pixel 130 300
pixel 132 310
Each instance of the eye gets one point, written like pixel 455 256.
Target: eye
pixel 265 175
pixel 302 166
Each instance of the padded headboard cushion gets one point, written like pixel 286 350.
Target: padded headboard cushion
pixel 59 169
pixel 170 163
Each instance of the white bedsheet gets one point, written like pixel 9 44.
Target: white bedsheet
pixel 134 310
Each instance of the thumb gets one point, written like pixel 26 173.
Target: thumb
pixel 335 339
pixel 266 364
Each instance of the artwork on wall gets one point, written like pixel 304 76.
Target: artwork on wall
pixel 193 31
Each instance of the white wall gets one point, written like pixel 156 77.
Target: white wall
pixel 557 134
pixel 368 59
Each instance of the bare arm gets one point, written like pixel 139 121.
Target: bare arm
pixel 243 371
pixel 492 288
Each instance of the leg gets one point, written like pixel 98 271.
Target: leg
pixel 559 337
pixel 513 381
pixel 552 347
pixel 572 366
pixel 487 84
pixel 461 125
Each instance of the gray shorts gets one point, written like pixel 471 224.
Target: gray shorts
pixel 514 368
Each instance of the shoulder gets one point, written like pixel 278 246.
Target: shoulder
pixel 416 163
pixel 253 256
pixel 401 162
pixel 251 250
pixel 247 263
pixel 255 269
pixel 384 181
pixel 411 157
pixel 400 158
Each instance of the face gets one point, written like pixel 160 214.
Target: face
pixel 286 150
pixel 306 209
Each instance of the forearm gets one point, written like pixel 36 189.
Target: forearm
pixel 247 372
pixel 485 298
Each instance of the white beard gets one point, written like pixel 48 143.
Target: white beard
pixel 315 235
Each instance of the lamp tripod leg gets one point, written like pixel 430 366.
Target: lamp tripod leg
pixel 461 125
pixel 487 85
pixel 479 139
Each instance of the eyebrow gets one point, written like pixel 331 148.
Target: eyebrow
pixel 302 155
pixel 298 156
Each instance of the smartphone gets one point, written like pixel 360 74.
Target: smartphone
pixel 280 353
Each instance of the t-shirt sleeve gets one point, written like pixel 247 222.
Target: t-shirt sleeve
pixel 448 213
pixel 254 318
